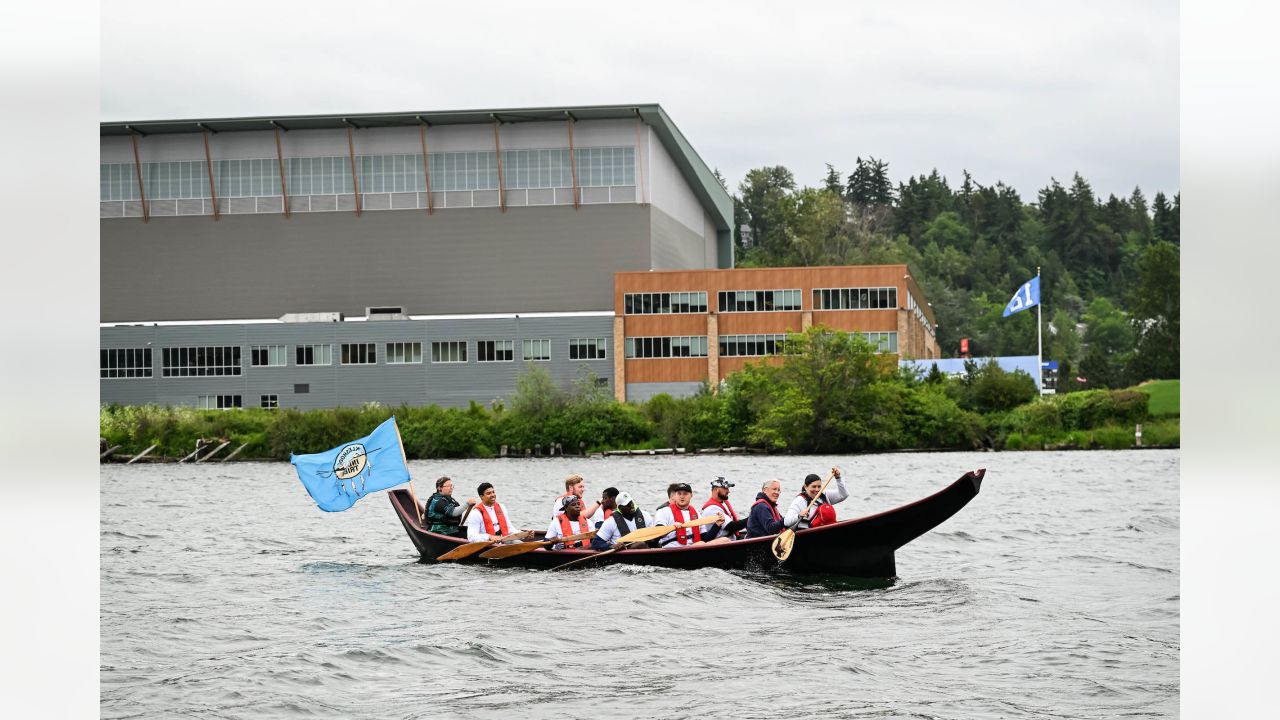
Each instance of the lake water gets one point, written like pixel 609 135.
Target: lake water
pixel 225 593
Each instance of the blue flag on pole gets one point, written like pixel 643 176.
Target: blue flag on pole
pixel 338 478
pixel 1028 296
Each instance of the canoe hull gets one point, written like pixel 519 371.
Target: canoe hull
pixel 862 547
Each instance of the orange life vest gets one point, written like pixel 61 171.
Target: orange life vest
pixel 566 529
pixel 488 524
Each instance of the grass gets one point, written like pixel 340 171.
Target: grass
pixel 1163 396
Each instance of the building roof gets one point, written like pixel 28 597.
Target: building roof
pixel 714 198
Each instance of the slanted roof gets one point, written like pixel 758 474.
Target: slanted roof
pixel 715 200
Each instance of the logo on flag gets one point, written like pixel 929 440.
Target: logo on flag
pixel 1027 296
pixel 336 479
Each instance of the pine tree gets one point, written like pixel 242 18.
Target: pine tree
pixel 831 183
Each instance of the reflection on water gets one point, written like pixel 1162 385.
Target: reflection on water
pixel 1040 598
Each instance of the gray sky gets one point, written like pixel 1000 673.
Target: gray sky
pixel 1012 91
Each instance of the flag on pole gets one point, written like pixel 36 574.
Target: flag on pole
pixel 336 479
pixel 1028 296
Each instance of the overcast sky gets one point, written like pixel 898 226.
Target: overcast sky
pixel 1012 91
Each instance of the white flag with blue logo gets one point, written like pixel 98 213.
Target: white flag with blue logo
pixel 1027 296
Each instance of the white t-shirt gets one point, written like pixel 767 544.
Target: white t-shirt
pixel 475 523
pixel 716 507
pixel 609 529
pixel 800 502
pixel 664 517
pixel 554 531
pixel 556 509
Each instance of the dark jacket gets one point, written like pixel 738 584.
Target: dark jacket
pixel 443 513
pixel 760 522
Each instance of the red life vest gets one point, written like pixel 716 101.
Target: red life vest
pixel 608 513
pixel 488 524
pixel 566 529
pixel 725 503
pixel 773 509
pixel 682 534
pixel 825 515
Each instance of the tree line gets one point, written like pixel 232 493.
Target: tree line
pixel 1110 280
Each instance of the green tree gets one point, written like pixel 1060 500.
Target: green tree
pixel 831 182
pixel 1156 314
pixel 869 183
pixel 766 198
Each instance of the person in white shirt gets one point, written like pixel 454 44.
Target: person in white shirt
pixel 488 519
pixel 575 485
pixel 569 521
pixel 678 510
pixel 719 503
pixel 626 518
pixel 798 518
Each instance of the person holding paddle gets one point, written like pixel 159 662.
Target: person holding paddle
pixel 443 513
pixel 488 520
pixel 678 510
pixel 802 515
pixel 569 521
pixel 626 517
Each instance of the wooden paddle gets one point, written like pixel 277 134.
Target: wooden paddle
pixel 506 551
pixel 787 538
pixel 653 533
pixel 471 548
pixel 588 558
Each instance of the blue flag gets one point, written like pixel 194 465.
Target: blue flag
pixel 1027 296
pixel 338 478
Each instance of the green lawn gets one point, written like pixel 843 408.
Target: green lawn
pixel 1164 396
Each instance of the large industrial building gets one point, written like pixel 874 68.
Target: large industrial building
pixel 427 257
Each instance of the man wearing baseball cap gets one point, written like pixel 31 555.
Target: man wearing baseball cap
pixel 678 510
pixel 569 521
pixel 719 503
pixel 627 517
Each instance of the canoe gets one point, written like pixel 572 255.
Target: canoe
pixel 862 547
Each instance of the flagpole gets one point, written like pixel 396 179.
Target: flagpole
pixel 1039 340
pixel 412 495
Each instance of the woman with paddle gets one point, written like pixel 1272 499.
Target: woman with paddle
pixel 813 507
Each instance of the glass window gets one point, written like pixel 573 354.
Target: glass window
pixel 268 355
pixel 537 350
pixel 313 355
pixel 452 351
pixel 359 354
pixel 402 353
pixel 116 363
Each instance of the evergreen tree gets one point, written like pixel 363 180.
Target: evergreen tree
pixel 831 183
pixel 869 184
pixel 766 198
pixel 1163 220
pixel 1156 315
pixel 1141 216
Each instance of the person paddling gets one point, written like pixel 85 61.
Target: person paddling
pixel 822 512
pixel 625 519
pixel 569 521
pixel 719 503
pixel 764 518
pixel 488 520
pixel 678 510
pixel 443 513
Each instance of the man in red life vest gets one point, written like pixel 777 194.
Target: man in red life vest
pixel 764 518
pixel 487 520
pixel 678 510
pixel 719 503
pixel 569 522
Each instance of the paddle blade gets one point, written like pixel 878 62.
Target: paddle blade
pixel 463 551
pixel 506 551
pixel 783 543
pixel 645 534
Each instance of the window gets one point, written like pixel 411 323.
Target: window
pixel 885 342
pixel 549 167
pixel 752 345
pixel 452 351
pixel 313 355
pixel 301 388
pixel 586 349
pixel 537 350
pixel 267 355
pixel 124 363
pixel 219 402
pixel 402 353
pixel 495 350
pixel 320 175
pixel 200 361
pixel 855 298
pixel 666 347
pixel 663 303
pixel 758 300
pixel 271 401
pixel 359 354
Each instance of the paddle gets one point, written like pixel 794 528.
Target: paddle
pixel 506 551
pixel 588 558
pixel 471 548
pixel 787 538
pixel 653 533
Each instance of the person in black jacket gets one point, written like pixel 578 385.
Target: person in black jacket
pixel 765 518
pixel 443 513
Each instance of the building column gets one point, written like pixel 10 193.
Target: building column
pixel 806 320
pixel 907 349
pixel 713 351
pixel 619 359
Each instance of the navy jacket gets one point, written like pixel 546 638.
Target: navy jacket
pixel 760 521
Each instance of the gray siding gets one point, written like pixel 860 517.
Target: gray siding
pixel 641 392
pixel 445 384
pixel 676 247
pixel 532 259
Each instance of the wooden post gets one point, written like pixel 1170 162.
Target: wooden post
pixel 573 161
pixel 284 189
pixel 1137 435
pixel 142 454
pixel 426 164
pixel 355 177
pixel 208 165
pixel 497 144
pixel 137 167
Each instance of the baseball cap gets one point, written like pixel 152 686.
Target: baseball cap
pixel 721 483
pixel 679 487
pixel 569 500
pixel 624 499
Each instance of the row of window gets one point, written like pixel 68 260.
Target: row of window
pixel 667 347
pixel 225 360
pixel 752 345
pixel 329 175
pixel 226 402
pixel 664 303
pixel 758 300
pixel 855 298
pixel 732 345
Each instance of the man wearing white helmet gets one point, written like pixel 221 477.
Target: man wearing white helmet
pixel 626 518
